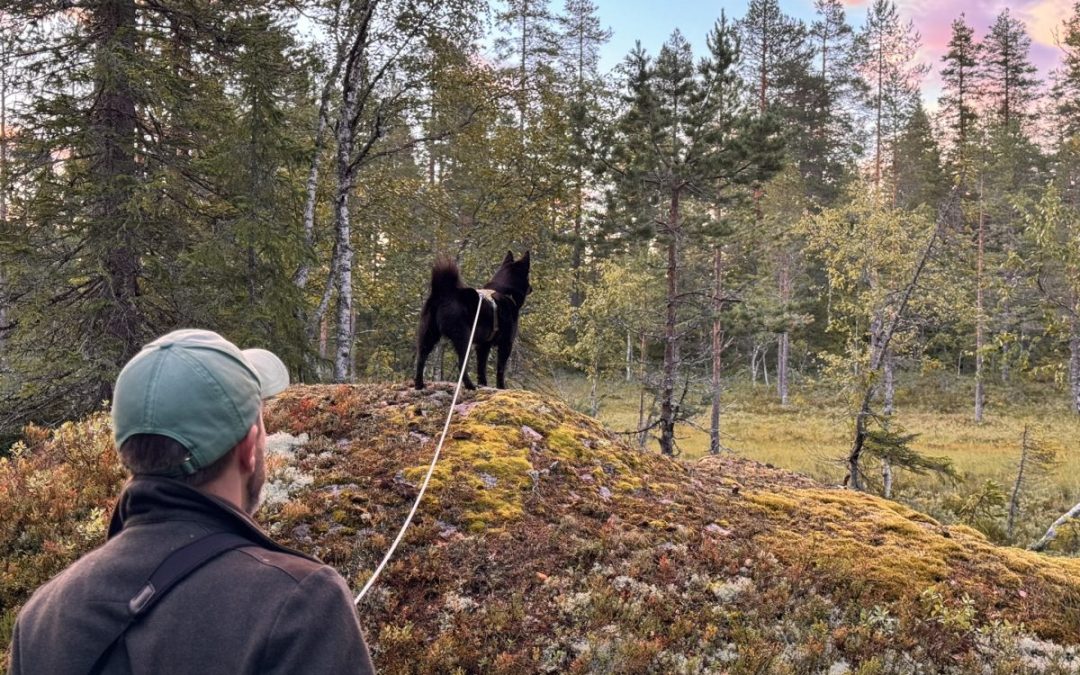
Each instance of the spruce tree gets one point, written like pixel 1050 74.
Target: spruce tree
pixel 920 180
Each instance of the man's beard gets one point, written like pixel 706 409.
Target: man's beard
pixel 253 487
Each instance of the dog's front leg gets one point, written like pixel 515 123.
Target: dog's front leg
pixel 500 368
pixel 482 351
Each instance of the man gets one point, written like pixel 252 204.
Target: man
pixel 187 416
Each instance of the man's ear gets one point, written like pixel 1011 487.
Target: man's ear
pixel 247 449
pixel 509 258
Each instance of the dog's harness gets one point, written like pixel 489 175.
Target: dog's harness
pixel 489 295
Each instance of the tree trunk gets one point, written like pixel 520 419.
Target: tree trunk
pixel 886 478
pixel 352 102
pixel 113 124
pixel 1014 499
pixel 1074 358
pixel 303 273
pixel 717 348
pixel 1072 513
pixel 668 412
pixel 879 101
pixel 343 336
pixel 890 383
pixel 594 378
pixel 782 348
pixel 629 357
pixel 980 394
pixel 783 351
pixel 641 393
pixel 876 356
pixel 3 184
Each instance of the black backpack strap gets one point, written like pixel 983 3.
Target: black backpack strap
pixel 174 569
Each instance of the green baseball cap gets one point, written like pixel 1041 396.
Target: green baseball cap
pixel 197 388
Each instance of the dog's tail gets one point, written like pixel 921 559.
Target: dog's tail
pixel 445 277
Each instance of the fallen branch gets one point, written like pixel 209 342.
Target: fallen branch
pixel 1040 545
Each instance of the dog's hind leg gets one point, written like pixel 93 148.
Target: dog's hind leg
pixel 460 340
pixel 505 346
pixel 482 351
pixel 426 339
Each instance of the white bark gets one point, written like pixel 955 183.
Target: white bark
pixel 1040 545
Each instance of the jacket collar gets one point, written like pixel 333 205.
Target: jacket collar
pixel 148 499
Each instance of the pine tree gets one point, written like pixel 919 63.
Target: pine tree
pixel 530 43
pixel 887 61
pixel 1066 78
pixel 682 137
pixel 834 141
pixel 581 36
pixel 775 56
pixel 959 83
pixel 1010 85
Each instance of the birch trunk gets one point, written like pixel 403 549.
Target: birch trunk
pixel 890 383
pixel 783 351
pixel 342 271
pixel 1074 512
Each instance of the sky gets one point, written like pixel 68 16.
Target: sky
pixel 652 21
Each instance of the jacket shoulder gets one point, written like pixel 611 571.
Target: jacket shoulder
pixel 295 566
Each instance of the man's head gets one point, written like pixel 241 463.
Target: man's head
pixel 189 406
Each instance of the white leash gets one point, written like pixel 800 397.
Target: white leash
pixel 485 294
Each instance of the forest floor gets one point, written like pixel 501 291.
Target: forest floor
pixel 812 434
pixel 546 544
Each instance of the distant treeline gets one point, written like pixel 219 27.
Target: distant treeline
pixel 285 172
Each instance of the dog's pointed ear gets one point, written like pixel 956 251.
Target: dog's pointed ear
pixel 509 258
pixel 525 259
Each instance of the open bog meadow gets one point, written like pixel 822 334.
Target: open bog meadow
pixel 813 434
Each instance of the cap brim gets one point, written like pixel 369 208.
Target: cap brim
pixel 273 375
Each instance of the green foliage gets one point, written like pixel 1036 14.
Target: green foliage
pixel 982 507
pixel 892 444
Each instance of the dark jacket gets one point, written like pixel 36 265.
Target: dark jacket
pixel 257 609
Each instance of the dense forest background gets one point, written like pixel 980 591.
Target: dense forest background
pixel 782 214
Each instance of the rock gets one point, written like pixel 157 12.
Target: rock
pixel 463 409
pixel 531 434
pixel 713 528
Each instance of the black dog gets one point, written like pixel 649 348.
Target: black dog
pixel 451 307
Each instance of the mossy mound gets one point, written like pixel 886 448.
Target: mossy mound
pixel 545 544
